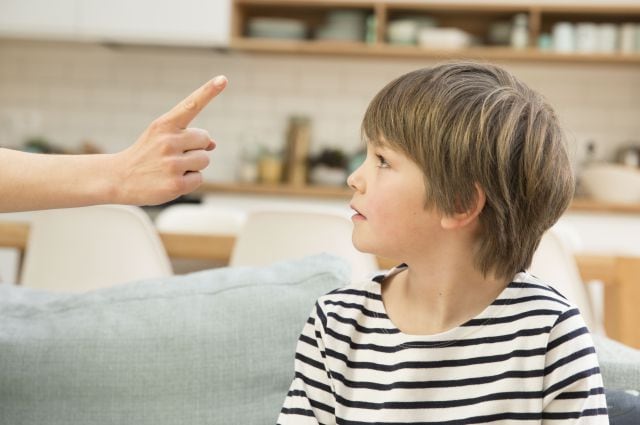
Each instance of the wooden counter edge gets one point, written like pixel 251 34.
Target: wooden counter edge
pixel 219 247
pixel 342 192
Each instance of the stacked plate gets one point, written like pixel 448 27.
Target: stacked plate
pixel 344 25
pixel 279 28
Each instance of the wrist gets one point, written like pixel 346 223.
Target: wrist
pixel 112 181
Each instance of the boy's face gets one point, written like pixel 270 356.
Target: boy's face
pixel 389 201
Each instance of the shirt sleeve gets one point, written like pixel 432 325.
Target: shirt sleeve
pixel 573 390
pixel 310 399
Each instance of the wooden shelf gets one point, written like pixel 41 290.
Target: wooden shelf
pixel 472 17
pixel 312 47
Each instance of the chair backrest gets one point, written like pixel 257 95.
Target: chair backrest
pixel 554 263
pixel 208 219
pixel 270 236
pixel 93 247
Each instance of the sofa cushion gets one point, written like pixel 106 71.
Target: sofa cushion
pixel 620 364
pixel 213 347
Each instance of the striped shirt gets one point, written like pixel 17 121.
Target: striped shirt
pixel 526 359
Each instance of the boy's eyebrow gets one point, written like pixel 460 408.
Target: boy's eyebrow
pixel 378 142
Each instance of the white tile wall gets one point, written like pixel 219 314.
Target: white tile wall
pixel 72 92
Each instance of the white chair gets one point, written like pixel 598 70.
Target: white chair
pixel 79 249
pixel 554 262
pixel 270 236
pixel 207 219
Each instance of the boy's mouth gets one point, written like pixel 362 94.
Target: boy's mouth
pixel 357 215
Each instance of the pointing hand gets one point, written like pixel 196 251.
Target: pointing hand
pixel 166 160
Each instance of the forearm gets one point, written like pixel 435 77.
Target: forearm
pixel 164 163
pixel 31 181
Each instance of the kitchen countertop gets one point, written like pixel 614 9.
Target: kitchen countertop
pixel 335 192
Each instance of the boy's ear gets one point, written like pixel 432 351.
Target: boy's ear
pixel 463 218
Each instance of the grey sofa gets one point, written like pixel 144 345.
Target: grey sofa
pixel 213 347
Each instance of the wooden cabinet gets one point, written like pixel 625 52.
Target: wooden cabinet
pixel 474 18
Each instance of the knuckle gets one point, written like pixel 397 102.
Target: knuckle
pixel 167 145
pixel 172 166
pixel 178 185
pixel 157 124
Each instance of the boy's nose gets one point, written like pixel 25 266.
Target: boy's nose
pixel 354 181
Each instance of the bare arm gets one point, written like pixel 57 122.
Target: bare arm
pixel 164 163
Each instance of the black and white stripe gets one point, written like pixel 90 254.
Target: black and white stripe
pixel 527 358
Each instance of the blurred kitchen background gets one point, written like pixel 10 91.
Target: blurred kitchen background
pixel 89 76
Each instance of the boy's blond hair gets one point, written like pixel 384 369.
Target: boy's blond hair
pixel 468 123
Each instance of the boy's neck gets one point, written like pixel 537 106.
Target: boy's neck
pixel 433 298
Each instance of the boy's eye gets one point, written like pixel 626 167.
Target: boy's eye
pixel 382 163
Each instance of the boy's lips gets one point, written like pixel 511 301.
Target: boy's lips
pixel 358 215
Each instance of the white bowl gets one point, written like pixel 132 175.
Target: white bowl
pixel 443 38
pixel 612 183
pixel 402 31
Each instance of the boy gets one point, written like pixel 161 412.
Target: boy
pixel 465 170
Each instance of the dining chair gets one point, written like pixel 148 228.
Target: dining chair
pixel 276 235
pixel 200 219
pixel 80 249
pixel 554 262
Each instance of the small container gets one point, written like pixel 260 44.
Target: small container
pixel 520 31
pixel 500 33
pixel 627 38
pixel 443 38
pixel 607 38
pixel 564 37
pixel 545 42
pixel 629 155
pixel 402 31
pixel 372 28
pixel 270 169
pixel 586 37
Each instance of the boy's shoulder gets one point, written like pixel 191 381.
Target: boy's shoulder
pixel 531 288
pixel 356 290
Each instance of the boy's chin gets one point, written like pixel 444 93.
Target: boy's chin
pixel 362 246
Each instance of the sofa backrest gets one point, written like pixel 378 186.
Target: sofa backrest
pixel 213 347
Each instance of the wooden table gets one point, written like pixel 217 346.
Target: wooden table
pixel 620 275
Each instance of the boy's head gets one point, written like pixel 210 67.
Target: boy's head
pixel 469 124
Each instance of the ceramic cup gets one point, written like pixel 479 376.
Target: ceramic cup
pixel 627 38
pixel 586 37
pixel 563 37
pixel 607 38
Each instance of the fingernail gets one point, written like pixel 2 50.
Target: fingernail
pixel 219 80
pixel 211 145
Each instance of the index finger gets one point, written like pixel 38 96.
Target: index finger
pixel 184 112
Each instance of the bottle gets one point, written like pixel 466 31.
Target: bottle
pixel 298 143
pixel 371 36
pixel 247 171
pixel 520 31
